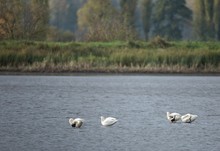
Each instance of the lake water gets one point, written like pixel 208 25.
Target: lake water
pixel 34 113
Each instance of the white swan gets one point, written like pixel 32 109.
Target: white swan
pixel 173 117
pixel 188 118
pixel 108 121
pixel 77 123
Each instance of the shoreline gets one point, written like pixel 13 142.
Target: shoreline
pixel 96 73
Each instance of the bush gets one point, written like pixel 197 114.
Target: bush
pixel 159 42
pixel 59 35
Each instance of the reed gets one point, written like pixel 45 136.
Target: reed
pixel 132 56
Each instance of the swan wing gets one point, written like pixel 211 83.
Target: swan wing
pixel 79 119
pixel 188 118
pixel 109 121
pixel 174 114
pixel 185 118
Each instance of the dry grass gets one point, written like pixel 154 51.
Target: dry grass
pixel 132 56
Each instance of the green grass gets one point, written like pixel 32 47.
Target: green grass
pixel 116 56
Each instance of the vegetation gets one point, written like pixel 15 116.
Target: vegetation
pixel 109 20
pixel 64 14
pixel 207 19
pixel 131 56
pixel 102 22
pixel 111 28
pixel 146 9
pixel 128 8
pixel 21 19
pixel 168 19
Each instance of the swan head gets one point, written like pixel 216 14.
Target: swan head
pixel 193 117
pixel 72 122
pixel 168 114
pixel 73 125
pixel 102 118
pixel 173 117
pixel 77 123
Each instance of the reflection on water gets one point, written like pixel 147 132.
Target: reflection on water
pixel 35 111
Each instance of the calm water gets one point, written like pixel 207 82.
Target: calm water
pixel 34 113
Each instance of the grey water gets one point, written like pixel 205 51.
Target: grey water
pixel 34 113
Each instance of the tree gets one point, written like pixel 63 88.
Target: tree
pixel 21 19
pixel 100 21
pixel 64 14
pixel 209 15
pixel 168 18
pixel 217 18
pixel 35 19
pixel 128 8
pixel 57 15
pixel 199 19
pixel 10 18
pixel 146 9
pixel 207 19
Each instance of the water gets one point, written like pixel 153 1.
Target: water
pixel 34 113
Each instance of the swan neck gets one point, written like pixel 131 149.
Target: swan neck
pixel 102 118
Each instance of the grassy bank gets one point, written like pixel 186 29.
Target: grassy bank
pixel 172 57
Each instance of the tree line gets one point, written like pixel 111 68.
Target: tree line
pixel 108 20
pixel 24 19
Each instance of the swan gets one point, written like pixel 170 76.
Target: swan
pixel 173 117
pixel 108 121
pixel 77 123
pixel 188 118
